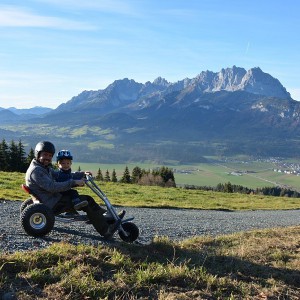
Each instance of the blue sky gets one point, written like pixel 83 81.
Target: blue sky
pixel 51 50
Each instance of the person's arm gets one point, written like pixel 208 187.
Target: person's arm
pixel 77 175
pixel 45 181
pixel 80 175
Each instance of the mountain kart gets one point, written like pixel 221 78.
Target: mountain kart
pixel 38 220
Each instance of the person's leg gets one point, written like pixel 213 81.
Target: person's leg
pixel 77 202
pixel 95 214
pixel 63 205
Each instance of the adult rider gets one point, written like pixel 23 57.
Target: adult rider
pixel 40 179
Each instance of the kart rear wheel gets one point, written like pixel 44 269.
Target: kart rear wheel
pixel 131 230
pixel 25 203
pixel 37 219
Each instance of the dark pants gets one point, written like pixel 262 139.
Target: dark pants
pixel 72 193
pixel 93 211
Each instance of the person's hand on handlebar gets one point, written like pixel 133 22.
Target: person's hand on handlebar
pixel 88 175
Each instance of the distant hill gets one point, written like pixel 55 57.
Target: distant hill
pixel 230 112
pixel 37 110
pixel 13 115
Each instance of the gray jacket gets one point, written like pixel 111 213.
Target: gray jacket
pixel 40 180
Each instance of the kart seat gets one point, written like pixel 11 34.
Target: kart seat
pixel 60 209
pixel 25 188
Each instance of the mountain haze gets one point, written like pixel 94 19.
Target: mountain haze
pixel 15 114
pixel 230 112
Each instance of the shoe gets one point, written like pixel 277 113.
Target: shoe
pixel 111 230
pixel 69 215
pixel 78 204
pixel 71 212
pixel 121 214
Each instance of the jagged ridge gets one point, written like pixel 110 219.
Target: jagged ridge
pixel 126 92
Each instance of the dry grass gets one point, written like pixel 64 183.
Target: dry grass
pixel 262 264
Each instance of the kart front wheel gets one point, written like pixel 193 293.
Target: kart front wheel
pixel 131 232
pixel 37 219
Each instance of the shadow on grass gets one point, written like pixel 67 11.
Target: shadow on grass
pixel 232 267
pixel 222 266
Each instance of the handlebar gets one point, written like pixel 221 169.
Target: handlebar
pixel 88 177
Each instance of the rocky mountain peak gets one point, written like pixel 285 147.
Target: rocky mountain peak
pixel 161 81
pixel 257 82
pixel 123 84
pixel 129 92
pixel 254 81
pixel 229 79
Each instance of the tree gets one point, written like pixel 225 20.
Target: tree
pixel 220 187
pixel 13 158
pixel 99 175
pixel 126 176
pixel 21 157
pixel 166 173
pixel 228 187
pixel 167 176
pixel 114 176
pixel 136 174
pixel 107 177
pixel 30 157
pixel 4 156
pixel 150 179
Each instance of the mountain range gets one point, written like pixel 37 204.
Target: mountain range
pixel 230 112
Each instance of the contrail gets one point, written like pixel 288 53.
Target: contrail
pixel 248 45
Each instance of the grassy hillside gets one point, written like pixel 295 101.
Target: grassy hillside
pixel 262 264
pixel 146 196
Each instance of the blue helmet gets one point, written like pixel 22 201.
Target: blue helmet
pixel 64 154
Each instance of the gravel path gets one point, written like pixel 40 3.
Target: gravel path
pixel 177 224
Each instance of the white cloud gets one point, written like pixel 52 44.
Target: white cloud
pixel 12 16
pixel 111 6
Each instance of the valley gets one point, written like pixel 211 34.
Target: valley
pixel 213 128
pixel 232 112
pixel 248 172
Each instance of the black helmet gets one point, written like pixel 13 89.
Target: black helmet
pixel 43 146
pixel 64 154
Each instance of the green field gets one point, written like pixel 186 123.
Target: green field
pixel 154 196
pixel 259 174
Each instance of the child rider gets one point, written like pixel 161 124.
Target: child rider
pixel 64 161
